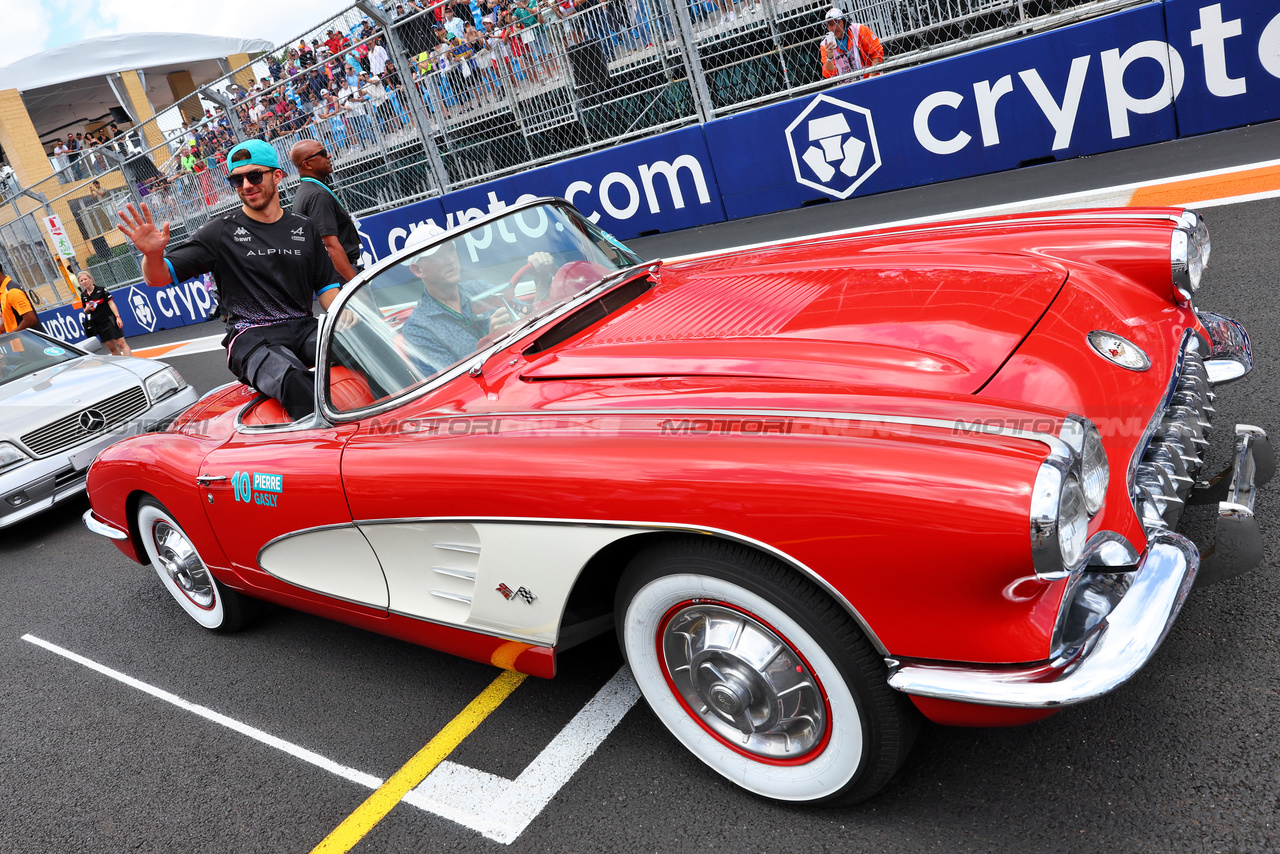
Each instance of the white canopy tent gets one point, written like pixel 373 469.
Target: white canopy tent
pixel 67 86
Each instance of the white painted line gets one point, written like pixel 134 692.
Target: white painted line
pixel 302 753
pixel 190 347
pixel 1116 196
pixel 499 808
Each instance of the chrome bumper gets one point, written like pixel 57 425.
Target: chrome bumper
pixel 1231 356
pixel 1167 475
pixel 1237 542
pixel 106 529
pixel 1125 642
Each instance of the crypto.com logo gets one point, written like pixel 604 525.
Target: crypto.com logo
pixel 142 311
pixel 833 146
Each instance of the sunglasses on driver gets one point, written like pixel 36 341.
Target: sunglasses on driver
pixel 254 177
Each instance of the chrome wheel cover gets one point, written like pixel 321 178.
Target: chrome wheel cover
pixel 743 681
pixel 181 563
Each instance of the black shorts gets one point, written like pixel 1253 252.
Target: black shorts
pixel 109 333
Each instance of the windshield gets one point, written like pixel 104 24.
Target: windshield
pixel 24 352
pixel 453 295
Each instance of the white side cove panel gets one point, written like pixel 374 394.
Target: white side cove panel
pixel 430 567
pixel 334 561
pixel 451 571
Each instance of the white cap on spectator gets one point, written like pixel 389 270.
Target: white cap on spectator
pixel 834 14
pixel 421 236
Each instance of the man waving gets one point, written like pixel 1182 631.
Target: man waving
pixel 268 265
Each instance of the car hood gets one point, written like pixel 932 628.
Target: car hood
pixel 942 323
pixel 48 394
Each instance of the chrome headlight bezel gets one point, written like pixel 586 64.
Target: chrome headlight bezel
pixel 1193 220
pixel 1059 520
pixel 1060 508
pixel 164 384
pixel 1189 251
pixel 1095 471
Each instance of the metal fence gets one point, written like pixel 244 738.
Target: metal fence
pixel 446 95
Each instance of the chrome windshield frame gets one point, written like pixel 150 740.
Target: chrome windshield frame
pixel 327 414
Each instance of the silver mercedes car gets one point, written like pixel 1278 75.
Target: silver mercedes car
pixel 60 406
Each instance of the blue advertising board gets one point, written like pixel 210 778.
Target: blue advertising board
pixel 1231 53
pixel 662 183
pixel 143 309
pixel 1157 72
pixel 1098 86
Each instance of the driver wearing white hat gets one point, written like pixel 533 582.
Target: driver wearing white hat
pixel 848 46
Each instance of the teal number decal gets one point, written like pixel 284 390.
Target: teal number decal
pixel 243 486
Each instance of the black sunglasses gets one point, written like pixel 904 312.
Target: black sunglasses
pixel 254 178
pixel 320 153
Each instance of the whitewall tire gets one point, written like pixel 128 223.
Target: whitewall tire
pixel 183 572
pixel 760 674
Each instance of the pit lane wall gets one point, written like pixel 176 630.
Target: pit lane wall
pixel 1162 71
pixel 143 309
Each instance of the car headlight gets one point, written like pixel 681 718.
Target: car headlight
pixel 1189 250
pixel 1073 521
pixel 164 384
pixel 11 455
pixel 1196 223
pixel 1094 470
pixel 1059 519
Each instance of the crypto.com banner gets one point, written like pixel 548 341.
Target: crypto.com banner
pixel 1154 73
pixel 1147 75
pixel 143 309
pixel 662 183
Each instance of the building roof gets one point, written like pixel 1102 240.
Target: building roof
pixel 105 55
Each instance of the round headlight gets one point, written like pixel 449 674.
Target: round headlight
pixel 1094 471
pixel 1195 262
pixel 1202 232
pixel 1186 257
pixel 1073 521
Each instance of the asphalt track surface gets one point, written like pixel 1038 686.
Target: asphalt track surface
pixel 1186 757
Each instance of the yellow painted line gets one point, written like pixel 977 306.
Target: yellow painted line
pixel 345 836
pixel 505 656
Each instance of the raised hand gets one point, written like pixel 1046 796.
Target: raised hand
pixel 141 230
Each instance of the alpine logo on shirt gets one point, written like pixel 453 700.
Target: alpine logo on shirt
pixel 241 235
pixel 298 235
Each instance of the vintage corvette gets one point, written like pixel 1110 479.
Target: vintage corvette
pixel 818 490
pixel 60 406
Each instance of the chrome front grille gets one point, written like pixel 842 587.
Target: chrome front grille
pixel 1172 452
pixel 69 431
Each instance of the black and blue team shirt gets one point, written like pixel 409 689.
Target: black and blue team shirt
pixel 266 272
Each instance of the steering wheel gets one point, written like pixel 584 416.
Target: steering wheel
pixel 572 277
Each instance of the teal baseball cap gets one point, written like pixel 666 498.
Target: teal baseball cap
pixel 260 154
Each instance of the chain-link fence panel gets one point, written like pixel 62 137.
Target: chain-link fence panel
pixel 449 94
pixel 753 51
pixel 506 89
pixel 25 256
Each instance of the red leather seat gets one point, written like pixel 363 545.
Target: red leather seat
pixel 348 390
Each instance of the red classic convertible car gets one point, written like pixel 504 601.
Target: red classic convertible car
pixel 818 490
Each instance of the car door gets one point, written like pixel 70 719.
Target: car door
pixel 275 500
